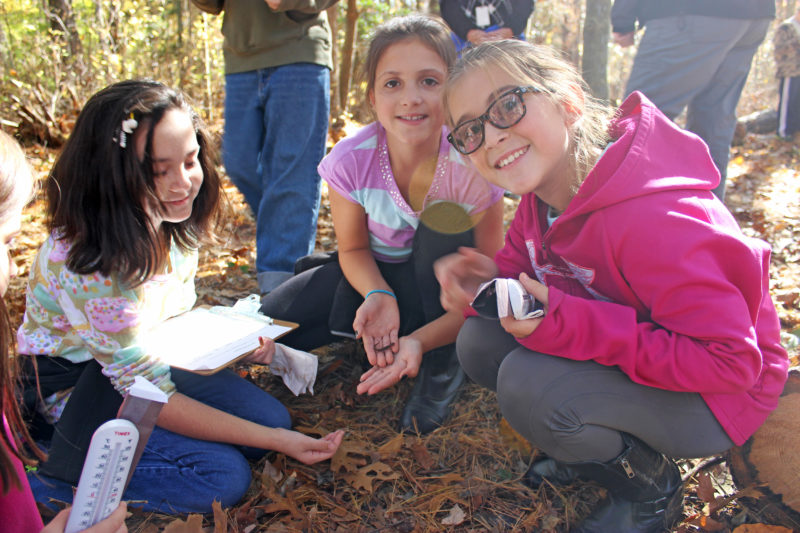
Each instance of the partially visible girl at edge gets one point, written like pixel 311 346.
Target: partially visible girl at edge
pixel 130 198
pixel 401 197
pixel 17 506
pixel 659 339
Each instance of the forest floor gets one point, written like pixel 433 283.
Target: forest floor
pixel 465 476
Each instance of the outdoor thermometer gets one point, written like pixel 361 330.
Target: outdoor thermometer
pixel 104 474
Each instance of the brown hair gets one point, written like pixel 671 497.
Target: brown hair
pixel 15 180
pixel 431 31
pixel 541 67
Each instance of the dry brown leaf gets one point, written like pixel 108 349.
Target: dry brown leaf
pixel 706 523
pixel 349 457
pixel 220 517
pixel 422 455
pixel 271 474
pixel 192 524
pixel 365 477
pixel 244 514
pixel 455 517
pixel 514 440
pixel 705 490
pixel 391 448
pixel 279 503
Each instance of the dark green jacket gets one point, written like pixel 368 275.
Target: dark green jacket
pixel 258 37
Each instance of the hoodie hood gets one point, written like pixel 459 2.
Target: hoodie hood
pixel 649 153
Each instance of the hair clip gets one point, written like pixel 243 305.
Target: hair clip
pixel 128 126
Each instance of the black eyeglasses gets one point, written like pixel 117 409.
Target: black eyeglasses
pixel 506 110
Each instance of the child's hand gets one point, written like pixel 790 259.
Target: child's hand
pixel 406 363
pixel 309 450
pixel 476 36
pixel 624 39
pixel 114 523
pixel 523 328
pixel 460 274
pixel 499 34
pixel 377 324
pixel 264 353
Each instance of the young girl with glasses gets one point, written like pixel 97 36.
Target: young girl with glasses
pixel 129 200
pixel 17 506
pixel 401 197
pixel 659 339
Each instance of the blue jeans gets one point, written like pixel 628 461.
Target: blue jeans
pixel 178 474
pixel 276 123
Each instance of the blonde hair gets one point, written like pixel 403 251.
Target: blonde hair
pixel 15 175
pixel 541 67
pixel 15 181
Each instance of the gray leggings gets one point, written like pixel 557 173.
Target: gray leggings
pixel 574 411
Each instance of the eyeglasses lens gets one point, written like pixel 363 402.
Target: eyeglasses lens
pixel 506 111
pixel 503 113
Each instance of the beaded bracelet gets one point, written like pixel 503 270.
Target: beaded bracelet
pixel 373 291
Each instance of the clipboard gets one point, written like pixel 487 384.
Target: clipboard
pixel 206 340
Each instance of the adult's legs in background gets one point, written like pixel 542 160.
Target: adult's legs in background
pixel 276 123
pixel 700 62
pixel 296 107
pixel 244 134
pixel 789 107
pixel 712 113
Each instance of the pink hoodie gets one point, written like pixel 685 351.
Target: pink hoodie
pixel 648 271
pixel 17 507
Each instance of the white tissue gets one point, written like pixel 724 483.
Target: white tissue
pixel 297 368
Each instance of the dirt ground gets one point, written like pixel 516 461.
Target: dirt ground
pixel 464 476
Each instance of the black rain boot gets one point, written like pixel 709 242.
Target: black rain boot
pixel 549 471
pixel 645 491
pixel 435 387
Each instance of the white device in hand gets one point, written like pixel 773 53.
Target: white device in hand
pixel 501 297
pixel 104 474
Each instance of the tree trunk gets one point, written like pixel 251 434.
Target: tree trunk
pixel 5 46
pixel 62 20
pixel 181 8
pixel 101 24
pixel 769 463
pixel 596 33
pixel 569 30
pixel 333 21
pixel 346 61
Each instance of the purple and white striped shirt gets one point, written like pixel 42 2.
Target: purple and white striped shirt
pixel 358 168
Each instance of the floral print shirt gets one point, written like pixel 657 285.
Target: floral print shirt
pixel 84 316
